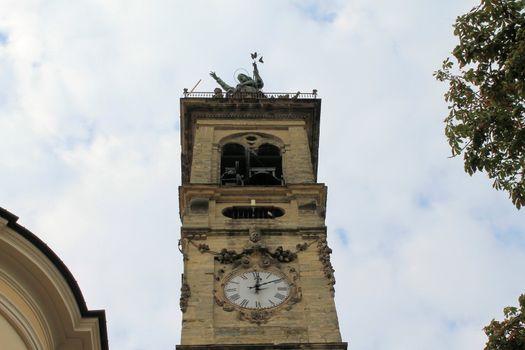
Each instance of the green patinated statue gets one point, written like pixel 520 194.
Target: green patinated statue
pixel 246 83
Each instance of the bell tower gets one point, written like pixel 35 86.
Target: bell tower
pixel 257 271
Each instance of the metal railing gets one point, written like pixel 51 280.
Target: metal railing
pixel 251 95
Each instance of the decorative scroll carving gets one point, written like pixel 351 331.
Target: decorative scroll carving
pixel 283 255
pixel 230 256
pixel 256 316
pixel 296 298
pixel 217 300
pixel 301 246
pixel 203 247
pixel 324 257
pixel 185 294
pixel 188 238
pixel 227 256
pixel 182 244
pixel 228 308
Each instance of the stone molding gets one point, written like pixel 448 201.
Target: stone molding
pixel 37 284
pixel 293 346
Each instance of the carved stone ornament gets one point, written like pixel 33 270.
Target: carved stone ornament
pixel 228 308
pixel 324 257
pixel 230 256
pixel 255 235
pixel 217 300
pixel 257 316
pixel 189 238
pixel 296 298
pixel 203 247
pixel 185 294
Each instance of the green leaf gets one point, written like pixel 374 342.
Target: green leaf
pixel 486 96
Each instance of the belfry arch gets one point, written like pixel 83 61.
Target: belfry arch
pixel 251 159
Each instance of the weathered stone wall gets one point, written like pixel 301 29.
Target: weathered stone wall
pixel 308 318
pixel 312 319
pixel 209 134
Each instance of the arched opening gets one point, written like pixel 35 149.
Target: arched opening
pixel 265 166
pixel 233 164
pixel 242 166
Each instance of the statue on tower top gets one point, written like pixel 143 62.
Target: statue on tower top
pixel 246 84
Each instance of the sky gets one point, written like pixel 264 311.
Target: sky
pixel 425 255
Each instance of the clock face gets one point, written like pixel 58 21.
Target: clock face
pixel 257 289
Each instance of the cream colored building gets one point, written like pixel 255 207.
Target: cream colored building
pixel 41 305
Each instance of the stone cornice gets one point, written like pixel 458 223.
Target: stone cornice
pixel 269 194
pixel 294 346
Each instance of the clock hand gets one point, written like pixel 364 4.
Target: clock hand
pixel 277 280
pixel 258 289
pixel 258 279
pixel 257 285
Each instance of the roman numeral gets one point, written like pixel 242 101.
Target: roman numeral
pixel 243 303
pixel 268 275
pixel 244 277
pixel 231 289
pixel 279 296
pixel 271 302
pixel 234 297
pixel 282 289
pixel 257 304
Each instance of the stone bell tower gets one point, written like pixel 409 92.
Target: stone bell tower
pixel 257 271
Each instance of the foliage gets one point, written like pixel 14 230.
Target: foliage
pixel 508 334
pixel 486 95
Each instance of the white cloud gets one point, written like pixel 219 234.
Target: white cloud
pixel 89 149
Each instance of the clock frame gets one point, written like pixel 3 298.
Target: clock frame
pixel 256 289
pixel 256 263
